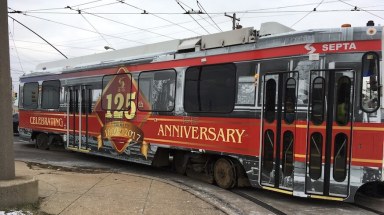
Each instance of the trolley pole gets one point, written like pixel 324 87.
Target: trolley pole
pixel 7 162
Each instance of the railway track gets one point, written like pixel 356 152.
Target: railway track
pixel 281 204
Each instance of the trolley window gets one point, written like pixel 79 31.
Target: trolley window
pixel 210 89
pixel 157 88
pixel 317 102
pixel 290 100
pixel 270 99
pixel 246 84
pixel 315 155
pixel 340 157
pixel 343 100
pixel 268 149
pixel 370 99
pixel 30 95
pixel 116 92
pixel 287 161
pixel 50 98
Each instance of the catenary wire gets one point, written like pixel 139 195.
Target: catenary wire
pixel 178 2
pixel 314 9
pixel 94 28
pixel 109 35
pixel 173 23
pixel 39 36
pixel 362 9
pixel 203 9
pixel 17 53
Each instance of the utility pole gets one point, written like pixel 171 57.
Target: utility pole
pixel 234 19
pixel 7 159
pixel 14 190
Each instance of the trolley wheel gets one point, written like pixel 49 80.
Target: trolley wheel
pixel 42 141
pixel 224 173
pixel 179 163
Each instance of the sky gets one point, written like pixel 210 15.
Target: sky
pixel 84 27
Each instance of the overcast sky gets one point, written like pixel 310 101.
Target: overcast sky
pixel 89 25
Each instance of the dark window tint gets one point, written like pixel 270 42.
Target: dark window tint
pixel 30 95
pixel 268 148
pixel 343 100
pixel 86 98
pixel 290 100
pixel 50 98
pixel 210 88
pixel 287 162
pixel 116 93
pixel 158 89
pixel 315 154
pixel 370 86
pixel 73 101
pixel 317 102
pixel 340 157
pixel 270 97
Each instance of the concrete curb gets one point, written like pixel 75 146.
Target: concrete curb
pixel 19 191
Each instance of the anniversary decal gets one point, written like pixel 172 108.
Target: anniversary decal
pixel 117 109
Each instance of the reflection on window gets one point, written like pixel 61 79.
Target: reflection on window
pixel 270 98
pixel 158 89
pixel 290 100
pixel 315 155
pixel 246 84
pixel 50 98
pixel 210 89
pixel 96 95
pixel 246 90
pixel 340 157
pixel 343 100
pixel 30 95
pixel 370 100
pixel 317 102
pixel 268 148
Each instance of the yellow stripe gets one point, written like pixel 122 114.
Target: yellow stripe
pixel 188 143
pixel 300 156
pixel 353 159
pixel 355 128
pixel 78 150
pixel 326 197
pixel 278 190
pixel 366 160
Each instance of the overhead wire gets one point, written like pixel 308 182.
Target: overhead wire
pixel 64 46
pixel 101 35
pixel 192 11
pixel 202 8
pixel 98 6
pixel 178 2
pixel 362 9
pixel 39 36
pixel 216 13
pixel 314 9
pixel 111 20
pixel 17 53
pixel 109 35
pixel 86 3
pixel 146 12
